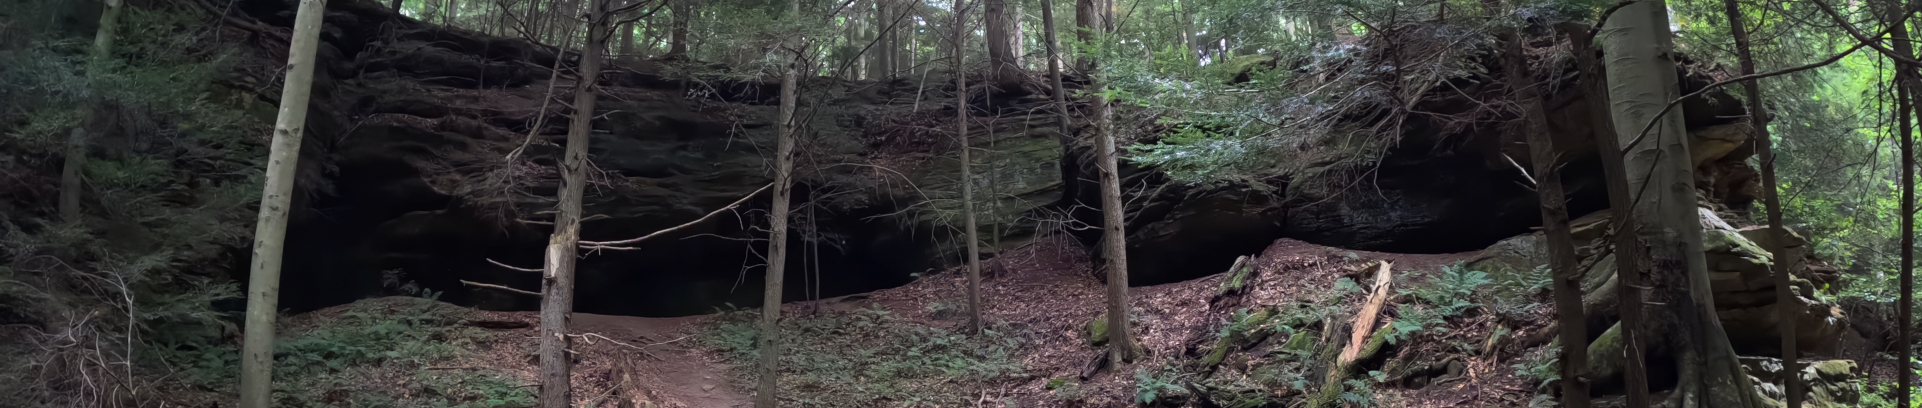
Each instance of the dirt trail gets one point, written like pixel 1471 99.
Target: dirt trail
pixel 654 362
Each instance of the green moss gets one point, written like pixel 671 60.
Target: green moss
pixel 1096 331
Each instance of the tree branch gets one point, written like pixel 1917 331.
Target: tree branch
pixel 611 244
pixel 1718 84
pixel 491 286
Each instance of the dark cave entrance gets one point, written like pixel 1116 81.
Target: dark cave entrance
pixel 381 232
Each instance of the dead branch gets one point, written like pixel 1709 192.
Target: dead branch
pixel 612 244
pixel 492 286
pixel 498 263
pixel 1365 323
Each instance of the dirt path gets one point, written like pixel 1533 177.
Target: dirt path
pixel 655 362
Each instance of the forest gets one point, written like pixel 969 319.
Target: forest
pixel 959 203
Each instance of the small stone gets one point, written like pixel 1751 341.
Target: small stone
pixel 709 387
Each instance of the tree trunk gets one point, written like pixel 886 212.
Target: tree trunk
pixel 1121 343
pixel 1564 266
pixel 1086 18
pixel 967 160
pixel 1628 251
pixel 397 6
pixel 914 42
pixel 683 11
pixel 627 39
pixel 263 281
pixel 1002 63
pixel 882 65
pixel 1642 80
pixel 765 392
pixel 557 285
pixel 1905 78
pixel 1786 304
pixel 451 12
pixel 856 29
pixel 71 182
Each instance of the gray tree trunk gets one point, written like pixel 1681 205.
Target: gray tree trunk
pixel 967 160
pixel 1628 249
pixel 397 6
pixel 683 11
pixel 557 283
pixel 1114 236
pixel 1086 19
pixel 885 48
pixel 1786 304
pixel 263 281
pixel 766 390
pixel 71 181
pixel 1003 63
pixel 1905 78
pixel 1641 81
pixel 1564 267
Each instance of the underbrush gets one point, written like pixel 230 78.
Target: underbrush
pixel 870 357
pixel 389 352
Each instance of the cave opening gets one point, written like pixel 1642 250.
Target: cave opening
pixel 382 232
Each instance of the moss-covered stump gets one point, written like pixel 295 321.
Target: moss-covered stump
pixel 1096 331
pixel 1244 329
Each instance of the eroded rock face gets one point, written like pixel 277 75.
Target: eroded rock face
pixel 1739 273
pixel 411 122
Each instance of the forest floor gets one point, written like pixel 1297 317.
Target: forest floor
pixel 909 346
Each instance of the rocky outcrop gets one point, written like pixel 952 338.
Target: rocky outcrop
pixel 411 122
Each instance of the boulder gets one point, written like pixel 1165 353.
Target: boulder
pixel 1827 383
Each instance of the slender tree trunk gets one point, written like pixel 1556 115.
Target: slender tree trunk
pixel 1086 18
pixel 1628 251
pixel 1114 238
pixel 452 12
pixel 1905 78
pixel 71 182
pixel 856 39
pixel 1002 64
pixel 1563 264
pixel 765 393
pixel 627 39
pixel 397 6
pixel 1641 81
pixel 1018 42
pixel 1787 304
pixel 914 43
pixel 1055 65
pixel 882 65
pixel 557 285
pixel 683 11
pixel 263 281
pixel 967 161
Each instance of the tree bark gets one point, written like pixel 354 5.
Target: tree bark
pixel 967 160
pixel 1003 64
pixel 1786 304
pixel 71 182
pixel 1565 268
pixel 263 282
pixel 765 392
pixel 1642 80
pixel 882 65
pixel 683 11
pixel 1121 343
pixel 1086 18
pixel 1905 77
pixel 557 285
pixel 397 6
pixel 451 12
pixel 1628 251
pixel 857 38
